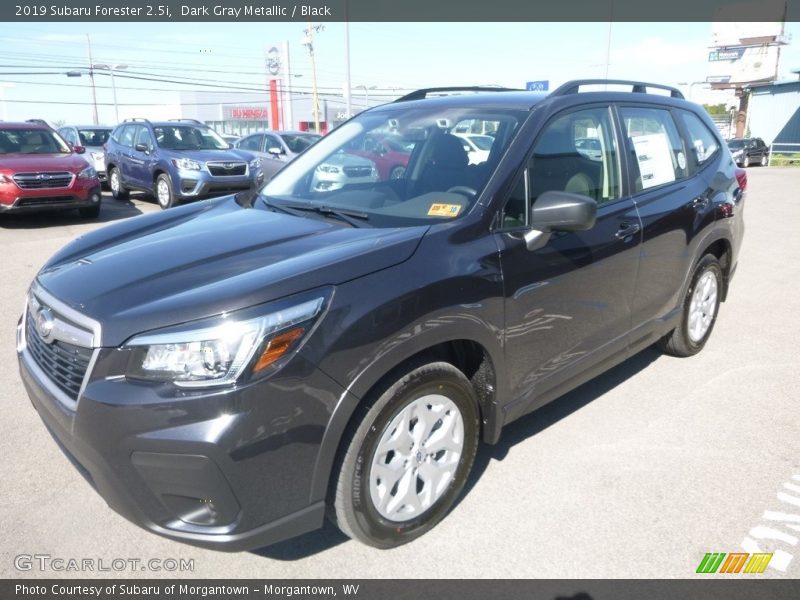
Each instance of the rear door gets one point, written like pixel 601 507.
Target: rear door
pixel 673 205
pixel 568 304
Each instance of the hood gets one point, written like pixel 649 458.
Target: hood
pixel 210 155
pixel 21 163
pixel 205 258
pixel 349 160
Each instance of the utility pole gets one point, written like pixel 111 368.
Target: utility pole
pixel 91 79
pixel 308 42
pixel 347 100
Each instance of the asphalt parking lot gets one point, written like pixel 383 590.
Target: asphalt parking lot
pixel 638 473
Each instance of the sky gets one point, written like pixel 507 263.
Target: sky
pixel 383 57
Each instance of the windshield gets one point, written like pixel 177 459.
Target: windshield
pixel 483 142
pixel 399 166
pixel 736 144
pixel 31 141
pixel 93 137
pixel 188 137
pixel 297 142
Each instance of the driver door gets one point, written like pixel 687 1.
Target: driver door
pixel 568 303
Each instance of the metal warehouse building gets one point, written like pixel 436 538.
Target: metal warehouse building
pixel 774 115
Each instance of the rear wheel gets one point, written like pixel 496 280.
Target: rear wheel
pixel 118 190
pixel 407 457
pixel 164 193
pixel 764 160
pixel 700 307
pixel 398 172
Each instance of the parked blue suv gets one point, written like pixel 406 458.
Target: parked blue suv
pixel 175 161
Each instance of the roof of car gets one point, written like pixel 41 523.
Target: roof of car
pixel 6 125
pixel 88 126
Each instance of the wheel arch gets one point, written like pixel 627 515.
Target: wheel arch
pixel 470 356
pixel 723 250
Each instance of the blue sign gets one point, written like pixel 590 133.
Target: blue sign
pixel 538 86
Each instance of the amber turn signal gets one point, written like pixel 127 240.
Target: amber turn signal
pixel 277 347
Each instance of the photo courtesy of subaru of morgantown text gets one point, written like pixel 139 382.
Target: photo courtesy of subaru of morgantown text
pixel 337 341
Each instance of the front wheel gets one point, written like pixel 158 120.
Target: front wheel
pixel 408 457
pixel 746 161
pixel 764 160
pixel 164 193
pixel 700 307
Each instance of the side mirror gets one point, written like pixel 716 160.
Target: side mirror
pixel 78 149
pixel 142 148
pixel 275 151
pixel 559 211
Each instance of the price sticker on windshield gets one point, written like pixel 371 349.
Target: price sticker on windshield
pixel 444 210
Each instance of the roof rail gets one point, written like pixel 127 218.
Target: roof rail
pixel 132 119
pixel 39 122
pixel 638 87
pixel 189 121
pixel 423 93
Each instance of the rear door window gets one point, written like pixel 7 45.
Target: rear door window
pixel 656 152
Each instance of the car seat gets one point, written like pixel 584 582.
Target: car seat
pixel 447 166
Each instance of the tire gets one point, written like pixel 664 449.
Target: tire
pixel 165 196
pixel 375 511
pixel 118 191
pixel 700 309
pixel 764 160
pixel 90 212
pixel 397 172
pixel 746 161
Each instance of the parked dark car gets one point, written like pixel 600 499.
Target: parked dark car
pixel 40 171
pixel 93 138
pixel 230 372
pixel 176 161
pixel 749 151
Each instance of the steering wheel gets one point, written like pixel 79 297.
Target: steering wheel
pixel 462 189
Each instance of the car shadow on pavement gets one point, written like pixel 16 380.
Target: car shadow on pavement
pixel 329 536
pixel 550 414
pixel 111 210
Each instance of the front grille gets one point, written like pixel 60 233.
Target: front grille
pixel 33 181
pixel 227 169
pixel 65 364
pixel 44 200
pixel 358 171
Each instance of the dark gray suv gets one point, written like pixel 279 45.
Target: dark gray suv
pixel 228 373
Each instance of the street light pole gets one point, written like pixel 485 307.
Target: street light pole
pixel 91 79
pixel 111 69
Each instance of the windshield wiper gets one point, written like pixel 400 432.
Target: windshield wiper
pixel 353 218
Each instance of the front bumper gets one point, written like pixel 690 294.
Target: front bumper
pixel 81 194
pixel 199 184
pixel 223 469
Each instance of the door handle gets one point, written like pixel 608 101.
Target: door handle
pixel 627 229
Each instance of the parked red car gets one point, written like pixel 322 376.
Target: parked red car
pixel 389 153
pixel 40 171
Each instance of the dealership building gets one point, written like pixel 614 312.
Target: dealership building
pixel 774 115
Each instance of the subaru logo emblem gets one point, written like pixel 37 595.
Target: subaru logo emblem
pixel 43 176
pixel 228 165
pixel 44 324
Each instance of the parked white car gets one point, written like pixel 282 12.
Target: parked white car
pixel 477 146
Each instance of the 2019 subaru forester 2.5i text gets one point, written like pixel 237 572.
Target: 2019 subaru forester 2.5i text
pixel 229 372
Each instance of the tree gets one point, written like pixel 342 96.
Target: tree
pixel 716 110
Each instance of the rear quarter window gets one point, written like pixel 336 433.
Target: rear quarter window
pixel 701 140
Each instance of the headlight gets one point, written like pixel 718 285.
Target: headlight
pixel 328 169
pixel 187 164
pixel 255 163
pixel 218 355
pixel 87 173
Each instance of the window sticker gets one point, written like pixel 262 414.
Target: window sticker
pixel 681 160
pixel 654 156
pixel 444 210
